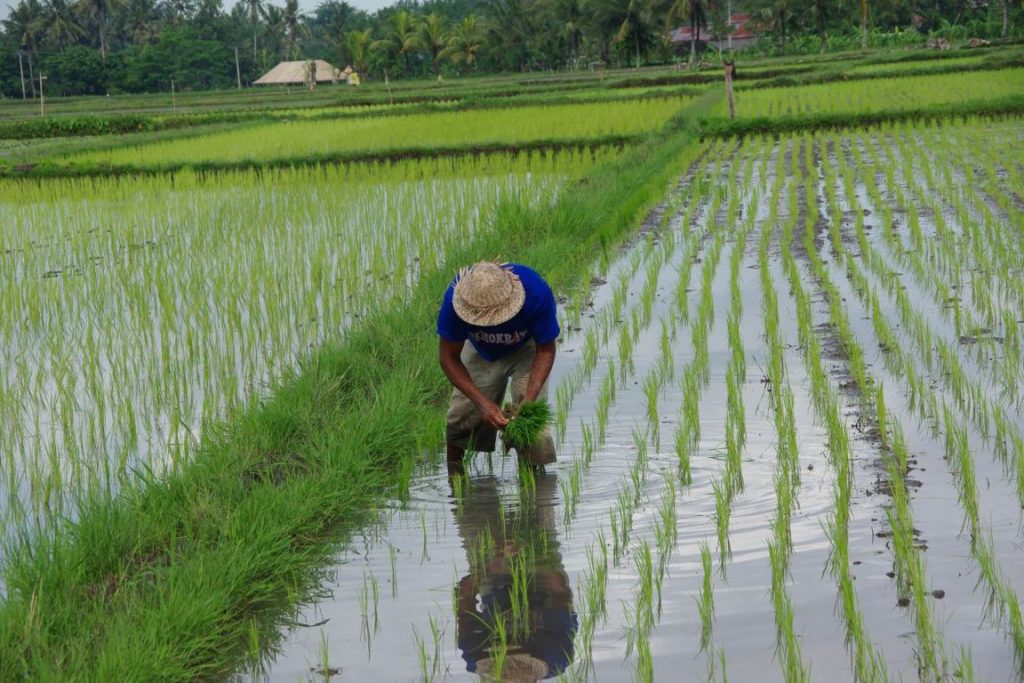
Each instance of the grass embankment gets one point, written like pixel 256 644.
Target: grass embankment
pixel 178 577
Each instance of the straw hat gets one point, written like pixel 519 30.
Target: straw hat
pixel 487 294
pixel 518 668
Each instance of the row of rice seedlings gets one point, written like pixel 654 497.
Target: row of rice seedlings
pixel 970 396
pixel 868 663
pixel 629 495
pixel 944 254
pixel 971 199
pixel 134 336
pixel 656 252
pixel 931 652
pixel 786 478
pixel 597 336
pixel 991 245
pixel 639 614
pixel 1003 603
pixel 1005 373
pixel 641 620
pixel 376 133
pixel 856 97
pixel 1003 600
pixel 592 605
pixel 630 492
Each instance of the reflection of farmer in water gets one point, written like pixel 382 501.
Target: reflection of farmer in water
pixel 504 550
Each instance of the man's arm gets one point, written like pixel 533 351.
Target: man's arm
pixel 543 360
pixel 450 355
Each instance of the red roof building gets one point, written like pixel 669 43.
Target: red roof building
pixel 742 34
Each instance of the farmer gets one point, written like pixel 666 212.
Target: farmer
pixel 507 312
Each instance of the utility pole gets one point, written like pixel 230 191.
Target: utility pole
pixel 238 69
pixel 21 70
pixel 42 98
pixel 174 106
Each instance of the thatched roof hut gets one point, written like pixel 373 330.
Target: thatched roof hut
pixel 297 73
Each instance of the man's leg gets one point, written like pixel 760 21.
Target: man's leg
pixel 465 425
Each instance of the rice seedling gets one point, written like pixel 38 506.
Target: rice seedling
pixel 527 424
pixel 393 559
pixel 706 601
pixel 652 387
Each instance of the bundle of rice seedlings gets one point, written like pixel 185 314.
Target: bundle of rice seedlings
pixel 527 424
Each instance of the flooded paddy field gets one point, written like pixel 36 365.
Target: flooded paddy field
pixel 790 439
pixel 149 308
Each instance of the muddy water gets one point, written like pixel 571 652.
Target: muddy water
pixel 416 598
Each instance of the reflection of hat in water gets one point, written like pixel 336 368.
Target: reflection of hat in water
pixel 487 294
pixel 519 668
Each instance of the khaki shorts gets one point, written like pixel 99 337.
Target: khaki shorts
pixel 465 425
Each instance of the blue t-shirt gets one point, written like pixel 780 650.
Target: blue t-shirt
pixel 537 320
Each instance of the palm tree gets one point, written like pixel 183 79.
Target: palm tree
pixel 26 25
pixel 138 22
pixel 569 17
pixel 99 10
pixel 820 10
pixel 432 38
pixel 512 31
pixel 694 11
pixel 255 8
pixel 776 16
pixel 357 44
pixel 293 26
pixel 402 38
pixel 273 18
pixel 61 24
pixel 465 41
pixel 627 21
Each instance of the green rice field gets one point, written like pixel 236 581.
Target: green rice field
pixel 786 399
pixel 383 134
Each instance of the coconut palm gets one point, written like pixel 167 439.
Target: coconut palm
pixel 465 41
pixel 25 24
pixel 402 37
pixel 273 20
pixel 776 16
pixel 627 22
pixel 294 28
pixel 357 46
pixel 432 38
pixel 138 22
pixel 255 8
pixel 99 11
pixel 695 12
pixel 61 24
pixel 513 32
pixel 569 20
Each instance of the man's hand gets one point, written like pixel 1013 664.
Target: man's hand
pixel 451 362
pixel 493 415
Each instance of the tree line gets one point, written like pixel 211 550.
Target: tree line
pixel 115 46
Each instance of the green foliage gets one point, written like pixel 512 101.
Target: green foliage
pixel 528 423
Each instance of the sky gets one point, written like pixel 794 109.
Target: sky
pixel 308 5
